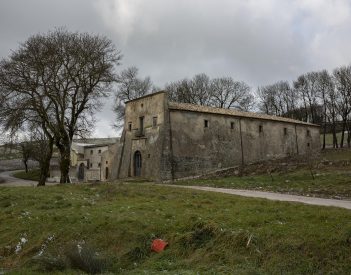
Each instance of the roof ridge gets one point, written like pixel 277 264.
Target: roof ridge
pixel 233 112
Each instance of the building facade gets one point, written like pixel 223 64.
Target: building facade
pixel 89 162
pixel 164 140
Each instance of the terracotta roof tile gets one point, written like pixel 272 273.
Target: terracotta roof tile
pixel 232 112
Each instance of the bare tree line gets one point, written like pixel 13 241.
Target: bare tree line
pixel 318 97
pixel 224 92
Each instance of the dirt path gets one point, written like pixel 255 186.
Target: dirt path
pixel 12 181
pixel 273 196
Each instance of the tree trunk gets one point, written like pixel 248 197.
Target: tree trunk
pixel 65 161
pixel 324 133
pixel 335 140
pixel 45 165
pixel 325 123
pixel 343 133
pixel 25 162
pixel 348 138
pixel 44 172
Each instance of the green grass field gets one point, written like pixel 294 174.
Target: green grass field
pixel 327 184
pixel 330 180
pixel 31 175
pixel 41 230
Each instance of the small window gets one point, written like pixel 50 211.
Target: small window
pixel 141 125
pixel 106 162
pixel 148 155
pixel 285 131
pixel 129 126
pixel 142 105
pixel 206 123
pixel 91 152
pixel 308 133
pixel 308 144
pixel 99 151
pixel 232 125
pixel 260 129
pixel 99 164
pixel 154 121
pixel 91 165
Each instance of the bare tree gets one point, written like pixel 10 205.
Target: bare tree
pixel 278 99
pixel 342 81
pixel 228 93
pixel 195 91
pixel 180 91
pixel 58 78
pixel 219 92
pixel 129 86
pixel 325 87
pixel 42 149
pixel 306 86
pixel 26 152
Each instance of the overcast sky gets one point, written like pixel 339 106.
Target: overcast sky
pixel 256 41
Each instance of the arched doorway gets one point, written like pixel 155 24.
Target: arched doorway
pixel 81 172
pixel 137 164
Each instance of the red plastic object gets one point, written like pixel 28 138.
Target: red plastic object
pixel 158 245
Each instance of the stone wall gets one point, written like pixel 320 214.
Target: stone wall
pixel 179 145
pixel 147 140
pixel 229 141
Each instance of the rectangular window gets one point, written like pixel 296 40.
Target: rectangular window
pixel 308 133
pixel 129 126
pixel 106 162
pixel 99 164
pixel 91 152
pixel 91 165
pixel 99 151
pixel 232 125
pixel 154 121
pixel 285 131
pixel 260 129
pixel 141 125
pixel 206 123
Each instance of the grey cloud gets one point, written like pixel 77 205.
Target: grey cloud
pixel 257 41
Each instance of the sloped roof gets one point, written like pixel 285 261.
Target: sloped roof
pixel 232 112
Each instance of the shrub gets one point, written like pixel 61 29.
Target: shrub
pixel 73 256
pixel 85 258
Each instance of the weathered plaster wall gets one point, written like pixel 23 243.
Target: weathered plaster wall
pixel 147 140
pixel 93 155
pixel 108 160
pixel 179 145
pixel 197 150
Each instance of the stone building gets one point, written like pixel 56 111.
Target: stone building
pixel 164 140
pixel 89 161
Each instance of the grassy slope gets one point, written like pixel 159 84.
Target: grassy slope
pixel 31 175
pixel 331 181
pixel 208 233
pixel 327 184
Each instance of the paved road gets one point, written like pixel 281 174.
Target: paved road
pixel 12 181
pixel 273 196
